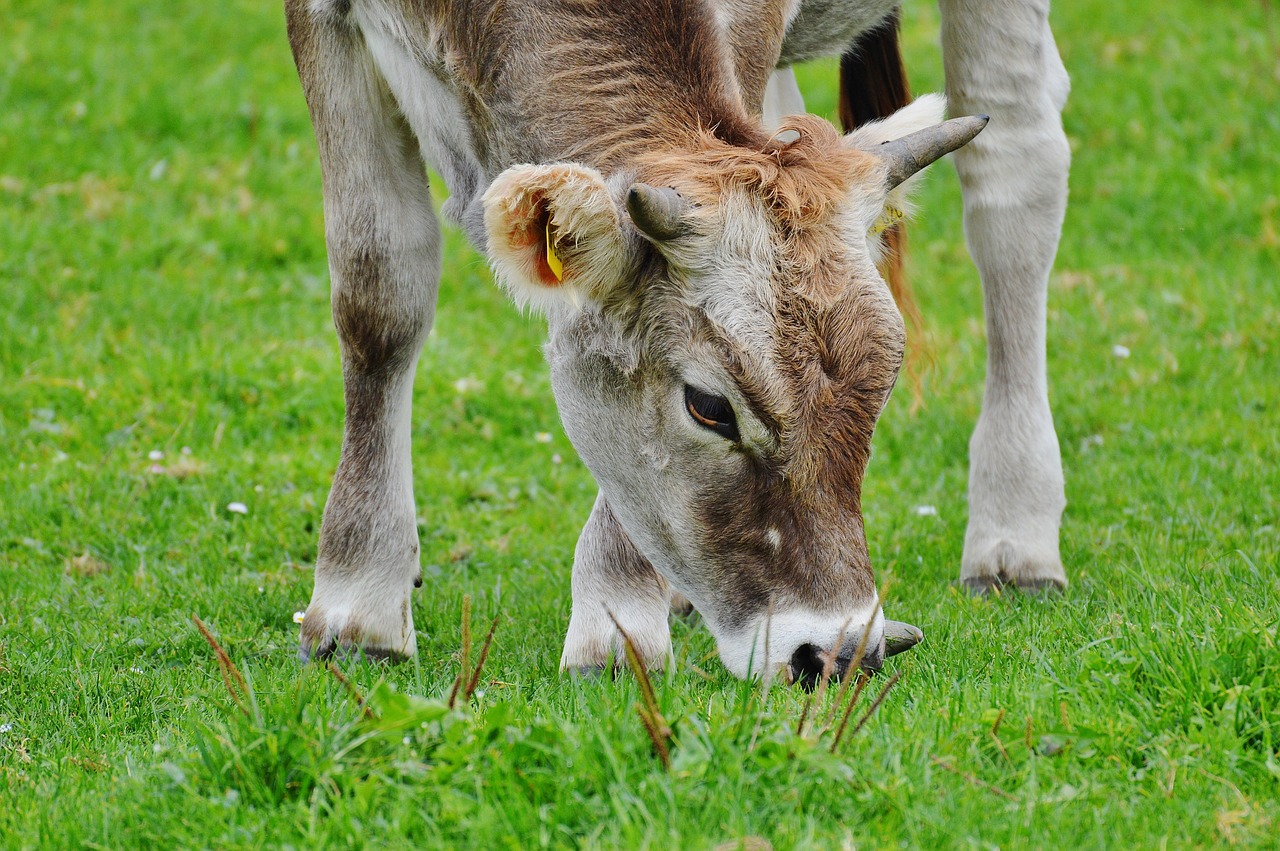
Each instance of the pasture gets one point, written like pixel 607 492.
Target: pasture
pixel 170 417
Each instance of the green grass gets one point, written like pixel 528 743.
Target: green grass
pixel 164 290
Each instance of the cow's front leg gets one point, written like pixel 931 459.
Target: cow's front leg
pixel 384 262
pixel 1001 60
pixel 611 577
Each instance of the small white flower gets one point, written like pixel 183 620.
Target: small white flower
pixel 542 437
pixel 155 455
pixel 926 511
pixel 298 616
pixel 237 508
pixel 467 385
pixel 186 450
pixel 407 740
pixel 1120 351
pixel 556 459
pixel 6 728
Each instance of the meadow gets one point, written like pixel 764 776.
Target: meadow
pixel 170 416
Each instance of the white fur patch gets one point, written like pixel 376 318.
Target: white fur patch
pixel 925 111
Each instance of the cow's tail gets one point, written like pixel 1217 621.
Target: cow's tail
pixel 873 85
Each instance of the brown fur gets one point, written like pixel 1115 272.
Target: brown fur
pixel 755 39
pixel 576 80
pixel 802 183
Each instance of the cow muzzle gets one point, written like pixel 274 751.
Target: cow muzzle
pixel 809 662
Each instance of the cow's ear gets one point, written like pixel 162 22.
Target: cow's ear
pixel 925 111
pixel 554 235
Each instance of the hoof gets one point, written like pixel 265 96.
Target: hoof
pixel 981 586
pixel 335 652
pixel 322 640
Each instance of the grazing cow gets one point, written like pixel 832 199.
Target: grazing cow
pixel 721 341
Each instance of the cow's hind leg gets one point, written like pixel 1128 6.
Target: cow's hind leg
pixel 613 581
pixel 1001 60
pixel 384 262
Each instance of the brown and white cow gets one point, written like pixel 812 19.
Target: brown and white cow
pixel 721 342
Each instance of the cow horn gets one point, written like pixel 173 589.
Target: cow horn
pixel 658 213
pixel 912 152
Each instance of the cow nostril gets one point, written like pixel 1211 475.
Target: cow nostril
pixel 807 664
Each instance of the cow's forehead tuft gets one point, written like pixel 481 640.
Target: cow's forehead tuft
pixel 795 197
pixel 802 181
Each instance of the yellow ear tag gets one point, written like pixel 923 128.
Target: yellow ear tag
pixel 553 262
pixel 890 217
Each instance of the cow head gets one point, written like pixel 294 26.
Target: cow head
pixel 721 345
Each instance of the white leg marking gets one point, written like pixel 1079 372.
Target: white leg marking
pixel 610 577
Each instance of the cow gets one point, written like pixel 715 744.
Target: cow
pixel 721 340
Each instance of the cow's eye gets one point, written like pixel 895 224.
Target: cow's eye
pixel 712 412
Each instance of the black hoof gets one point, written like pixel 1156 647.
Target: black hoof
pixel 332 651
pixel 981 586
pixel 585 672
pixel 1038 586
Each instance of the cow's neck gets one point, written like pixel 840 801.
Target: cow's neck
pixel 597 83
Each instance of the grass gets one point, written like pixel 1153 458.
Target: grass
pixel 166 350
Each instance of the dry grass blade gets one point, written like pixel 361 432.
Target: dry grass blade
pixel 863 679
pixel 828 665
pixel 466 650
pixel 982 784
pixel 860 652
pixel 230 673
pixel 654 724
pixel 354 692
pixel 659 733
pixel 875 704
pixel 995 734
pixel 855 664
pixel 804 714
pixel 484 655
pixel 638 669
